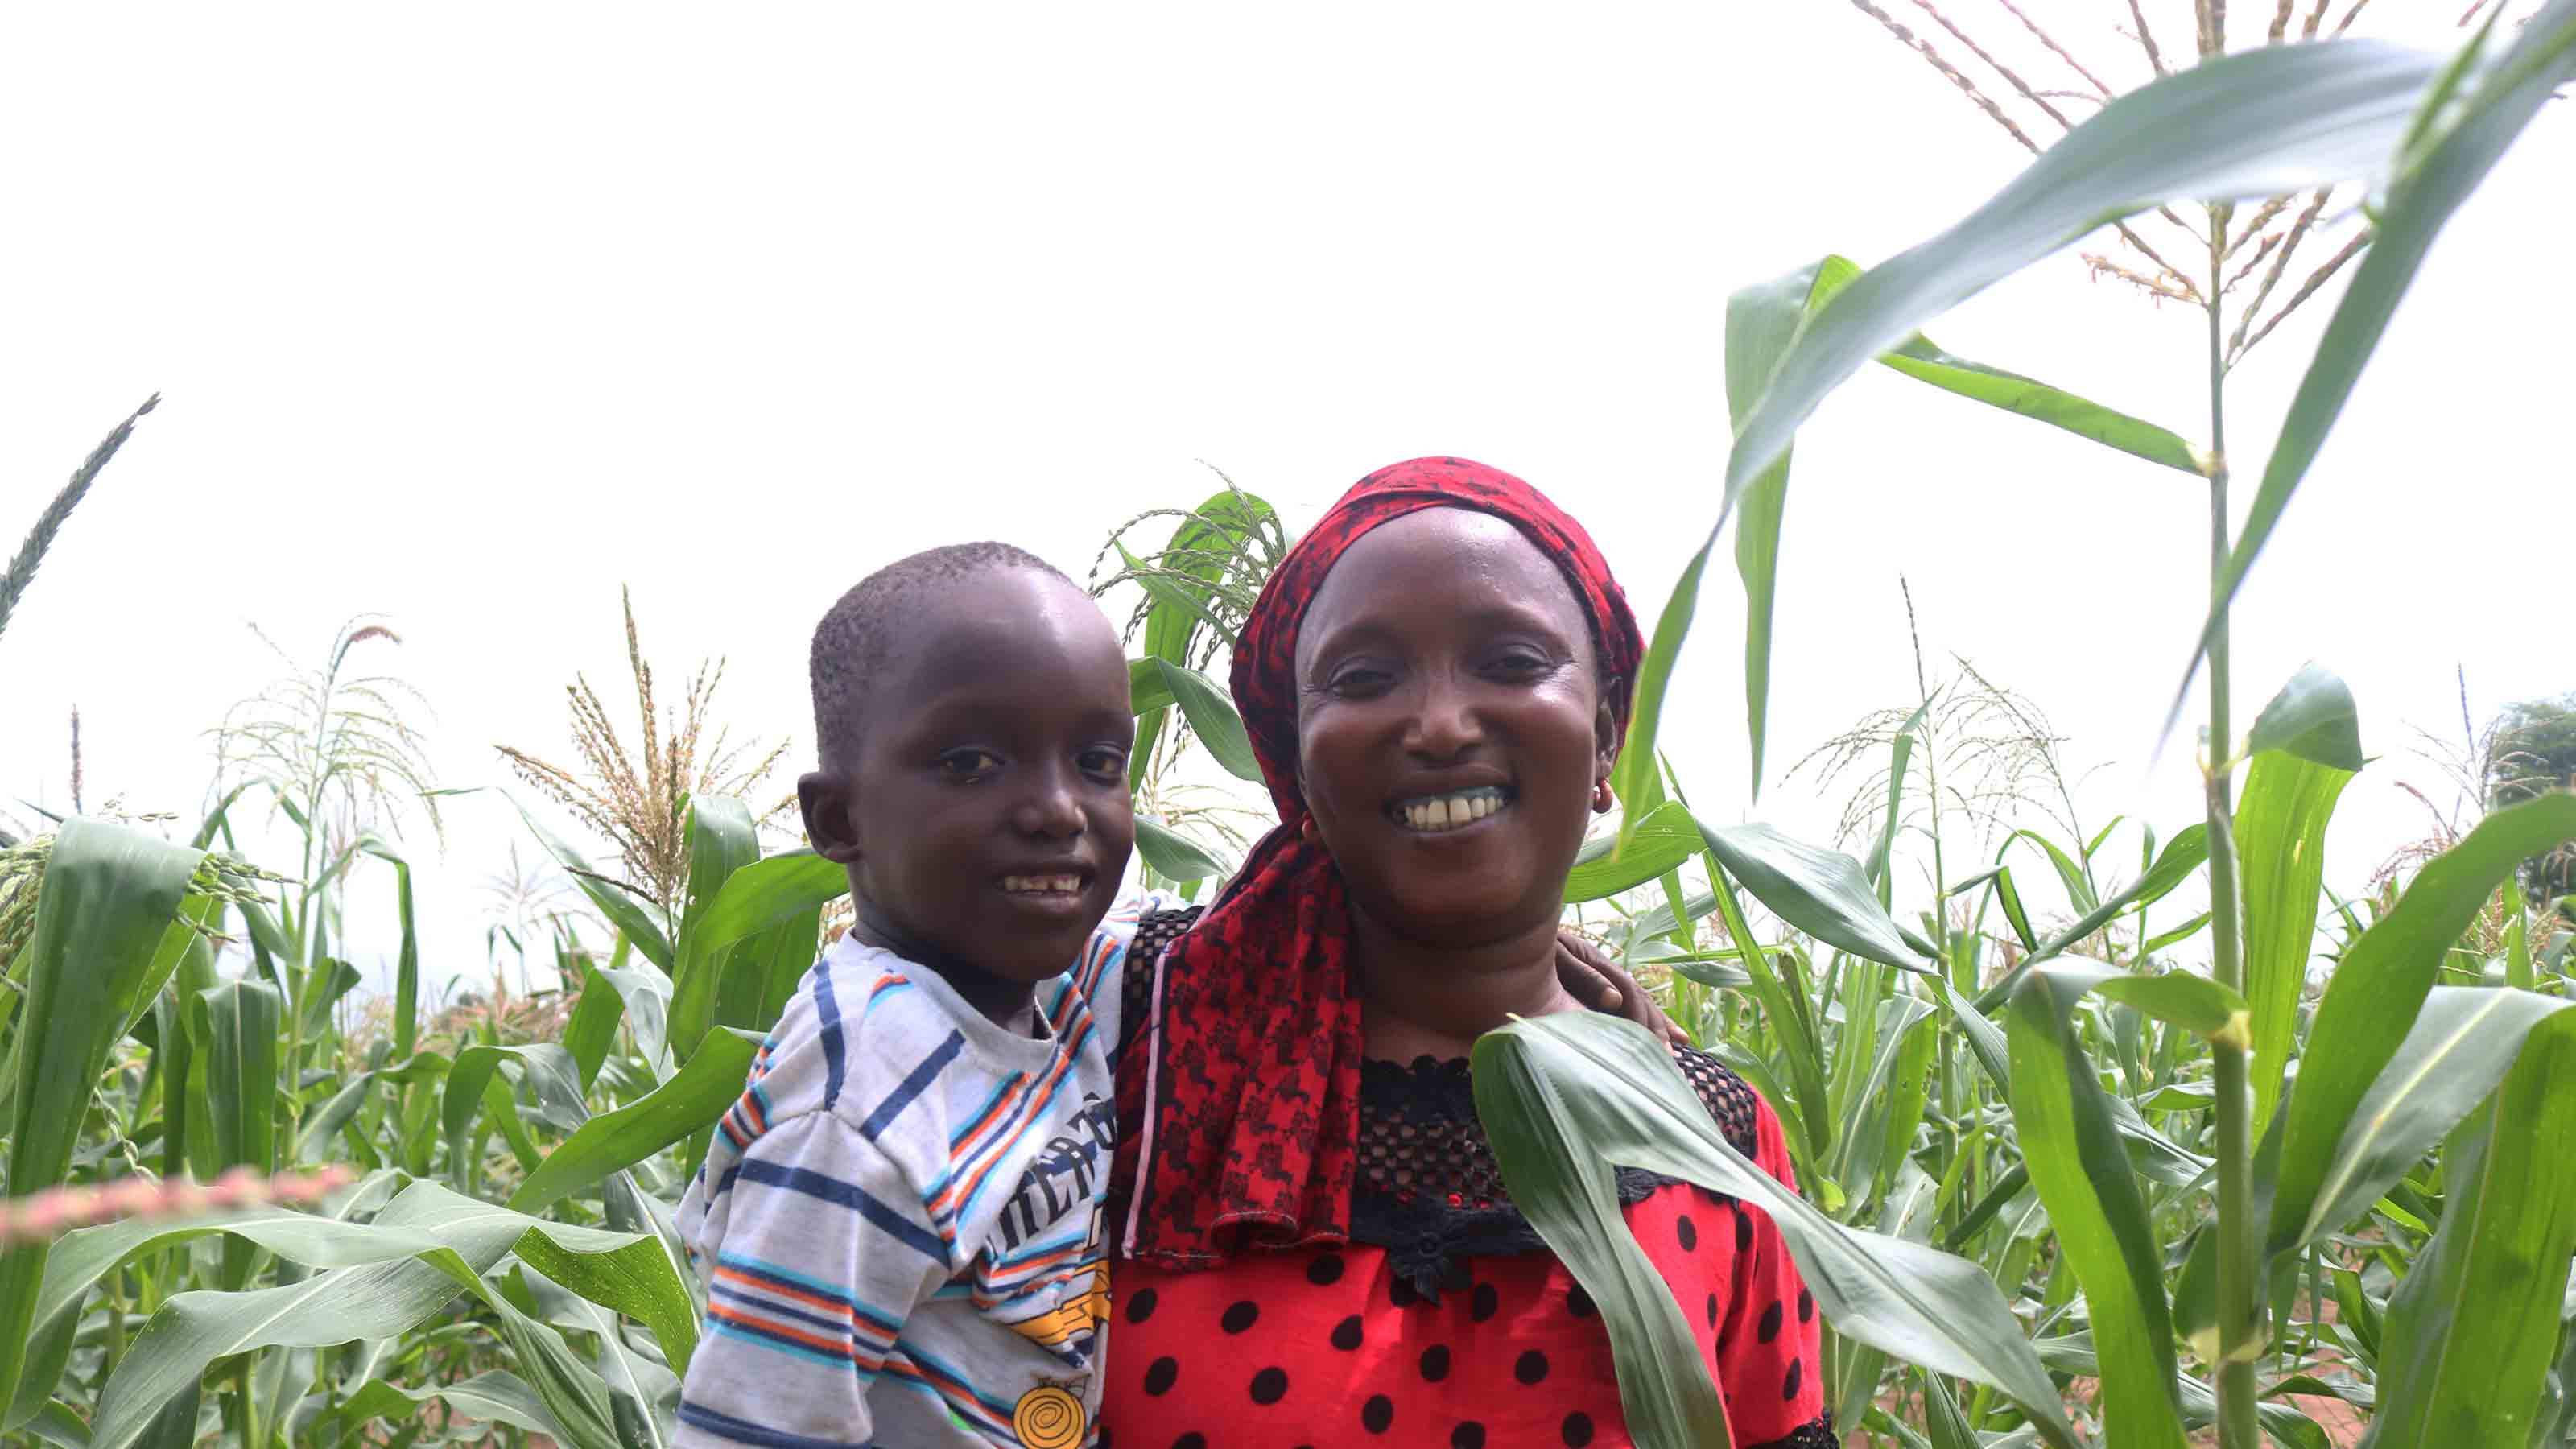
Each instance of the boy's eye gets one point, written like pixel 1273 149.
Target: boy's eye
pixel 1104 762
pixel 969 764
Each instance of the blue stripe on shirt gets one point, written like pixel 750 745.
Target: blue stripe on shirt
pixel 912 1085
pixel 830 1012
pixel 849 1195
pixel 742 1431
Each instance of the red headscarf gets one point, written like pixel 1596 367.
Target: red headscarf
pixel 1238 1101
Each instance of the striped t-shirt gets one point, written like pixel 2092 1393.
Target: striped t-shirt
pixel 900 1221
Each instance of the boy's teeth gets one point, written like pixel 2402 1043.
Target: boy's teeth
pixel 1042 884
pixel 1448 812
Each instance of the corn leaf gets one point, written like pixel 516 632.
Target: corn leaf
pixel 368 1301
pixel 2280 850
pixel 1172 854
pixel 633 918
pixel 2462 1044
pixel 2076 1159
pixel 108 894
pixel 1564 1097
pixel 407 961
pixel 1761 320
pixel 1212 718
pixel 2473 1326
pixel 1660 842
pixel 2380 987
pixel 2433 179
pixel 690 1101
pixel 2269 121
pixel 1918 358
pixel 1821 892
pixel 722 841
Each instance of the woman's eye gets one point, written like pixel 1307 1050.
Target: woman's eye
pixel 1519 664
pixel 1360 682
pixel 969 764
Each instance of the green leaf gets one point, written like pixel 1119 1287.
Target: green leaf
pixel 1147 689
pixel 633 918
pixel 2462 1043
pixel 1223 527
pixel 722 841
pixel 2474 1323
pixel 756 897
pixel 2174 865
pixel 2280 851
pixel 1636 764
pixel 1564 1097
pixel 2430 184
pixel 2194 1003
pixel 1168 594
pixel 2313 718
pixel 637 1280
pixel 766 969
pixel 2079 890
pixel 1821 892
pixel 368 1301
pixel 2262 123
pixel 2077 1162
pixel 407 962
pixel 2380 986
pixel 2181 933
pixel 494 1396
pixel 1657 844
pixel 1172 854
pixel 591 1031
pixel 1212 718
pixel 235 1028
pixel 1761 321
pixel 692 1099
pixel 549 1069
pixel 108 894
pixel 1918 358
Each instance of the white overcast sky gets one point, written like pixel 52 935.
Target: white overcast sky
pixel 468 314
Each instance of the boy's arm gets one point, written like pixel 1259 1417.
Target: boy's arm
pixel 816 1251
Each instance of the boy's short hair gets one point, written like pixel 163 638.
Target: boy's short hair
pixel 857 633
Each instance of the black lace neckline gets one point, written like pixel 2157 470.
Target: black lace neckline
pixel 1428 1190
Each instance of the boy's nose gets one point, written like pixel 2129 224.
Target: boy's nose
pixel 1051 808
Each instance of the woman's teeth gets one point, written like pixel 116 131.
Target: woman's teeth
pixel 1448 812
pixel 1042 884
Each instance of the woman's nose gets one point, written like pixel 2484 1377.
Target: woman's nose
pixel 1444 723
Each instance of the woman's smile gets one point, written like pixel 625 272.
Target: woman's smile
pixel 1446 814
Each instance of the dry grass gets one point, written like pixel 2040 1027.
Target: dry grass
pixel 637 800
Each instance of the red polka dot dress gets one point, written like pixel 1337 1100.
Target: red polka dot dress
pixel 1445 1322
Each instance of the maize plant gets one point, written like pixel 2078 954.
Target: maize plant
pixel 2061 1183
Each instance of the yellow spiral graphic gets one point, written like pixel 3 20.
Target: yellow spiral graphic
pixel 1048 1417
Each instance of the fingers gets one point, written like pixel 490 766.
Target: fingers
pixel 1582 980
pixel 1591 977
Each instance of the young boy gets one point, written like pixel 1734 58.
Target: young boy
pixel 900 1220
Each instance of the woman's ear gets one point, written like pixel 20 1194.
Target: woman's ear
pixel 1606 734
pixel 825 798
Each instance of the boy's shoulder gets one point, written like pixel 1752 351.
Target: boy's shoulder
pixel 861 1038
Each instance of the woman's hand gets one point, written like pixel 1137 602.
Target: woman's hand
pixel 1598 982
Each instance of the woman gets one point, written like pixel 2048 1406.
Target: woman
pixel 1436 681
